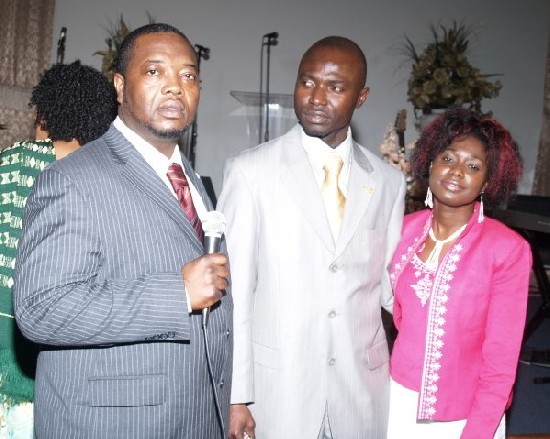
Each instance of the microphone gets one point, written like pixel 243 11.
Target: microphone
pixel 63 34
pixel 213 226
pixel 61 45
pixel 203 51
pixel 271 38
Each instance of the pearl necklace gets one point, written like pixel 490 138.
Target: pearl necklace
pixel 433 257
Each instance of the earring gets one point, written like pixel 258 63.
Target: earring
pixel 480 216
pixel 429 199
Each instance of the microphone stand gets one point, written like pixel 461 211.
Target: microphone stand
pixel 266 135
pixel 202 53
pixel 261 102
pixel 271 41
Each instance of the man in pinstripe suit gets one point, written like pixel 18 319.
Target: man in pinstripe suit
pixel 111 275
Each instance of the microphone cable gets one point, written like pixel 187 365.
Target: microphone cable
pixel 211 373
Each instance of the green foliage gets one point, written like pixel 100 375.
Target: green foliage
pixel 116 35
pixel 442 76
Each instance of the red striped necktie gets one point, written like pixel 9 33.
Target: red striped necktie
pixel 179 182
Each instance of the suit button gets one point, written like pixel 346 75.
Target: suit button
pixel 333 268
pixel 332 314
pixel 332 362
pixel 222 382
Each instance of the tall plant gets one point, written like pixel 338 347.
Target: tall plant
pixel 441 74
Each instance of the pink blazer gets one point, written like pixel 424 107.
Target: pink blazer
pixel 476 318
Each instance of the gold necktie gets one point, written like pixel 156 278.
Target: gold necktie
pixel 333 197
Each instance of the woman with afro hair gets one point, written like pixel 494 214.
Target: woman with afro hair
pixel 74 104
pixel 460 283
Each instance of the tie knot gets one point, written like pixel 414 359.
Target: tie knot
pixel 177 176
pixel 333 165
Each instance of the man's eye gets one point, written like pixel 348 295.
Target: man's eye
pixel 152 72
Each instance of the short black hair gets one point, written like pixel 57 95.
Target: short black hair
pixel 128 44
pixel 74 101
pixel 342 43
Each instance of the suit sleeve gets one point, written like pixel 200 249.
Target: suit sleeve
pixel 237 204
pixel 392 239
pixel 503 335
pixel 60 295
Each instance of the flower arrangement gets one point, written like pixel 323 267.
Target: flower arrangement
pixel 442 76
pixel 398 156
pixel 116 34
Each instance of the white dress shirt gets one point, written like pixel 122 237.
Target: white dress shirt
pixel 317 151
pixel 160 163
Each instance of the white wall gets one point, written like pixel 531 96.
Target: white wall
pixel 511 38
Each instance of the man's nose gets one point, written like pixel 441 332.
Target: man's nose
pixel 318 96
pixel 172 85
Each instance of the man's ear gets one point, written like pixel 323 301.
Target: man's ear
pixel 363 95
pixel 118 82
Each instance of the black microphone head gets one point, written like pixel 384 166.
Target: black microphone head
pixel 213 224
pixel 63 31
pixel 272 35
pixel 202 51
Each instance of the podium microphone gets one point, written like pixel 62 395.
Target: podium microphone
pixel 61 45
pixel 271 38
pixel 202 52
pixel 213 226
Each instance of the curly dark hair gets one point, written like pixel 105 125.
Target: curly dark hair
pixel 74 101
pixel 129 42
pixel 504 163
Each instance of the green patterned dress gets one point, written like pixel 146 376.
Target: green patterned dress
pixel 19 166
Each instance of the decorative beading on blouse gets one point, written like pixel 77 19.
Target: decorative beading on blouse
pixel 435 332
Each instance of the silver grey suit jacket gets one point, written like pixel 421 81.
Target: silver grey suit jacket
pixel 307 317
pixel 98 283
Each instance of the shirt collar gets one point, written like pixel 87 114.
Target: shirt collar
pixel 158 161
pixel 317 150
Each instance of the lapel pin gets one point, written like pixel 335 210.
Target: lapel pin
pixel 369 190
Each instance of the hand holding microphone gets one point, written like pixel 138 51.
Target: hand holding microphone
pixel 206 277
pixel 213 227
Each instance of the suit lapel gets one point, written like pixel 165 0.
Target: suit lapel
pixel 361 187
pixel 299 179
pixel 136 170
pixel 197 182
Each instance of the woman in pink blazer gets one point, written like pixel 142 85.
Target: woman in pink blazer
pixel 460 281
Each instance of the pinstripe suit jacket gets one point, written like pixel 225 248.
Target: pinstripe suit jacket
pixel 98 283
pixel 308 330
